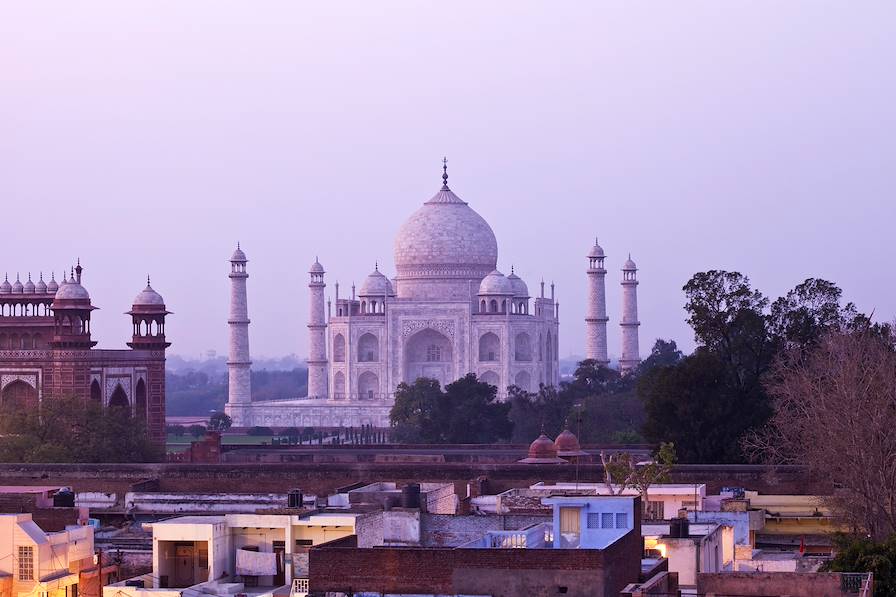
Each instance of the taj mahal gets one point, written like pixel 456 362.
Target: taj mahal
pixel 447 311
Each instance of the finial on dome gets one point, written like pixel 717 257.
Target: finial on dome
pixel 147 279
pixel 29 276
pixel 41 275
pixel 237 244
pixel 445 174
pixel 511 269
pixel 376 266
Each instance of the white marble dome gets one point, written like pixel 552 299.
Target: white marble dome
pixel 18 287
pixel 52 287
pixel 41 287
pixel 629 265
pixel 495 283
pixel 596 250
pixel 376 284
pixel 316 267
pixel 5 287
pixel 445 238
pixel 520 289
pixel 238 255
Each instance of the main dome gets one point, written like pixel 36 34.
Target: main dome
pixel 445 238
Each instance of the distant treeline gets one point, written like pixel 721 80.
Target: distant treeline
pixel 197 392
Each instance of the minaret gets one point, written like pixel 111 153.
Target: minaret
pixel 317 333
pixel 238 363
pixel 630 354
pixel 596 309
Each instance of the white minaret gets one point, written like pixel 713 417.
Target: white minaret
pixel 317 334
pixel 596 310
pixel 238 363
pixel 630 353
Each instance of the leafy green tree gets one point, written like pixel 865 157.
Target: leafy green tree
pixel 258 431
pixel 197 430
pixel 220 421
pixel 547 410
pixel 474 414
pixel 664 353
pixel 71 430
pixel 622 471
pixel 695 406
pixel 418 413
pixel 861 554
pixel 466 412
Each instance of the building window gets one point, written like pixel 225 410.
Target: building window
pixel 606 520
pixel 434 353
pixel 593 520
pixel 655 511
pixel 26 562
pixel 621 520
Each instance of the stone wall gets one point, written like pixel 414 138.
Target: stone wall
pixel 760 584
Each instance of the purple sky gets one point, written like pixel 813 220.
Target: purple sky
pixel 151 136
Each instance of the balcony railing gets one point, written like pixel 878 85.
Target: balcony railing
pixel 856 582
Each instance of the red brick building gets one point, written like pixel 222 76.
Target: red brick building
pixel 46 350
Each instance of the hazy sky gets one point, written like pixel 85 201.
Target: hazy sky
pixel 148 137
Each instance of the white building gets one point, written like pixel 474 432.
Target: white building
pixel 447 312
pixel 252 554
pixel 33 562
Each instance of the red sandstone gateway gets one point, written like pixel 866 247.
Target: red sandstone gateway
pixel 46 350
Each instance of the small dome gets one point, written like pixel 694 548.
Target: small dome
pixel 72 291
pixel 629 265
pixel 316 267
pixel 596 250
pixel 567 443
pixel 520 290
pixel 52 287
pixel 149 297
pixel 29 286
pixel 41 287
pixel 376 284
pixel 18 287
pixel 542 447
pixel 495 283
pixel 5 287
pixel 238 255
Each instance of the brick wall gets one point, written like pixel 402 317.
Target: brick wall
pixel 793 584
pixel 449 531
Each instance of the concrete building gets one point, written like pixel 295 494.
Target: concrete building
pixel 590 546
pixel 46 350
pixel 34 562
pixel 251 554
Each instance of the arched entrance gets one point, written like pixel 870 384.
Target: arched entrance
pixel 429 353
pixel 140 400
pixel 368 386
pixel 19 396
pixel 491 378
pixel 95 393
pixel 523 381
pixel 119 401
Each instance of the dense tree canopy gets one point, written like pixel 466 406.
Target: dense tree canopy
pixel 73 430
pixel 707 402
pixel 466 412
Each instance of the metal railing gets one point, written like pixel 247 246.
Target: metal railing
pixel 856 582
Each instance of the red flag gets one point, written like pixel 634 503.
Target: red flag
pixel 802 545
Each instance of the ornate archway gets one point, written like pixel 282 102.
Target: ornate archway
pixel 19 395
pixel 429 353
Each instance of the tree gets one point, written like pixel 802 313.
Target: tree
pixel 835 412
pixel 802 316
pixel 861 554
pixel 664 353
pixel 219 422
pixel 196 430
pixel 176 430
pixel 258 431
pixel 417 411
pixel 474 414
pixel 621 471
pixel 68 429
pixel 696 406
pixel 466 412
